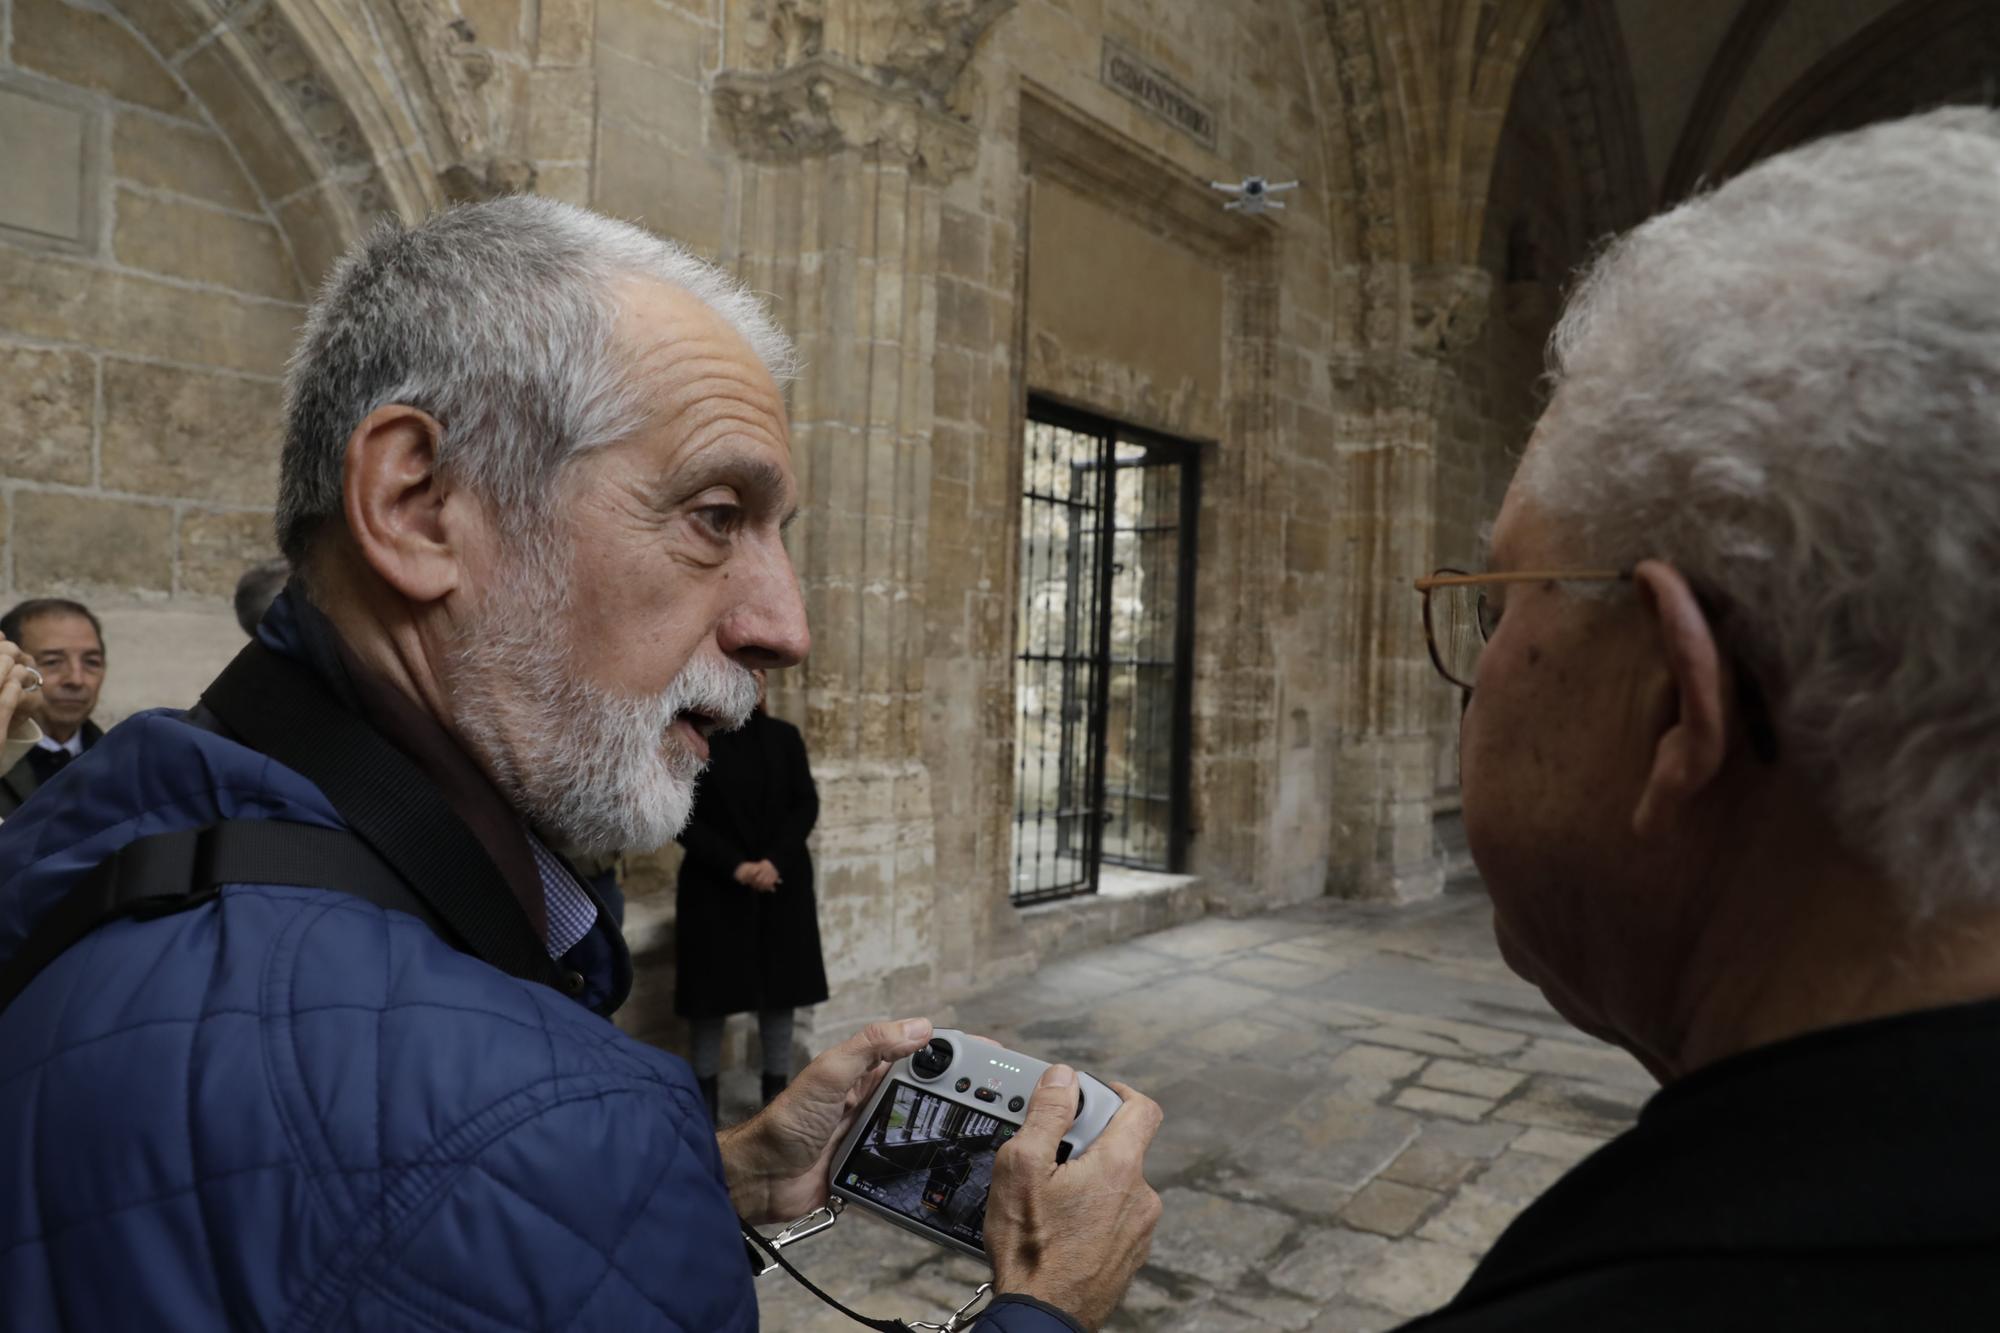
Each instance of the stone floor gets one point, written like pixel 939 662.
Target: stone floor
pixel 1358 1100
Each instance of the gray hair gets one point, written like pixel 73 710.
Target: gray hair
pixel 1790 390
pixel 496 318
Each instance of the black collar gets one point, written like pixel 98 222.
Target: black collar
pixel 1880 1135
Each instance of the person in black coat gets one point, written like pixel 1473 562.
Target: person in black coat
pixel 748 923
pixel 1728 766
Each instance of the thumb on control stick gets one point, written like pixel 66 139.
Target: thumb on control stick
pixel 1051 1112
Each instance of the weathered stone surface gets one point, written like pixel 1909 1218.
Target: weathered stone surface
pixel 180 158
pixel 1415 1277
pixel 1215 1239
pixel 1471 1080
pixel 184 240
pixel 1444 1103
pixel 275 160
pixel 1446 1152
pixel 45 297
pixel 169 27
pixel 45 155
pixel 680 195
pixel 217 547
pixel 92 51
pixel 183 433
pixel 1598 1064
pixel 46 414
pixel 1556 1143
pixel 1552 1102
pixel 162 654
pixel 1388 1208
pixel 84 542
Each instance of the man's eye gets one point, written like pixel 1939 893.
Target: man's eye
pixel 720 520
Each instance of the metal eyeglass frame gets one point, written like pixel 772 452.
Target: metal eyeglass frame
pixel 1458 578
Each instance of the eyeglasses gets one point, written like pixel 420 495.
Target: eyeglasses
pixel 1458 620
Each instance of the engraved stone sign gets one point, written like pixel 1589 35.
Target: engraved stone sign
pixel 1157 91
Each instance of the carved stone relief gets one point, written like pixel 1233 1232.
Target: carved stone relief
pixel 891 86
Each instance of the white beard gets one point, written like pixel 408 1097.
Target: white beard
pixel 597 770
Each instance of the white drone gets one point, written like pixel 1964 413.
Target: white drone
pixel 1253 194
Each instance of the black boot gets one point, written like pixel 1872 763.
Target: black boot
pixel 773 1085
pixel 711 1093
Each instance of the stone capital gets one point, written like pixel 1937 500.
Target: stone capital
pixel 823 105
pixel 1448 307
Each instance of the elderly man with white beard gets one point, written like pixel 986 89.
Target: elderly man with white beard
pixel 304 1024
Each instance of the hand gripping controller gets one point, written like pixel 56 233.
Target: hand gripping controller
pixel 921 1153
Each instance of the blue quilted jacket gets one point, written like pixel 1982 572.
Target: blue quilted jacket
pixel 289 1109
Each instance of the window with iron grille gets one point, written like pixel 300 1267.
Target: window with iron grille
pixel 1104 626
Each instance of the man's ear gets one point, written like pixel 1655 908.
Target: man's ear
pixel 396 504
pixel 1689 753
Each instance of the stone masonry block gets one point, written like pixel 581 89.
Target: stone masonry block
pixel 965 315
pixel 217 547
pixel 93 51
pixel 664 107
pixel 567 27
pixel 179 158
pixel 1387 1208
pixel 562 104
pixel 311 225
pixel 963 241
pixel 182 433
pixel 170 28
pixel 669 40
pixel 678 195
pixel 188 241
pixel 82 541
pixel 45 415
pixel 269 152
pixel 496 24
pixel 43 297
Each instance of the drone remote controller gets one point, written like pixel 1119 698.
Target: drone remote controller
pixel 921 1154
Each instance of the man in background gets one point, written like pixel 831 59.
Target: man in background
pixel 64 642
pixel 257 589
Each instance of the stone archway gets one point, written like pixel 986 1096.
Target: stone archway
pixel 196 168
pixel 341 114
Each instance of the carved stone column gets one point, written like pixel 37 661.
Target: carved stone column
pixel 842 111
pixel 1385 777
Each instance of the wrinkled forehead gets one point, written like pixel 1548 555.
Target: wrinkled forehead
pixel 684 355
pixel 54 631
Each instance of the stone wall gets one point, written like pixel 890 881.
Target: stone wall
pixel 147 302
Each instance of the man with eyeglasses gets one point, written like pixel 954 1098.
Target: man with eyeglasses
pixel 1731 753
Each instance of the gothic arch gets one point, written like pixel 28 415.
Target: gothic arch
pixel 1920 53
pixel 342 113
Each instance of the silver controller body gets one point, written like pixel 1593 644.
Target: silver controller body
pixel 921 1153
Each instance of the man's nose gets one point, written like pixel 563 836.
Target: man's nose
pixel 767 628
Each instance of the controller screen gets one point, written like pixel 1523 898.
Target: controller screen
pixel 929 1159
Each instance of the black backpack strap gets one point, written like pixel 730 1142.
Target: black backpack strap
pixel 280 708
pixel 170 872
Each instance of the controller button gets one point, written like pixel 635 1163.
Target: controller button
pixel 962 1084
pixel 1079 1102
pixel 986 1094
pixel 1016 1103
pixel 933 1059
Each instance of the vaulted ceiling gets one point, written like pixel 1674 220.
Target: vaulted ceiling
pixel 1720 83
pixel 1624 107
